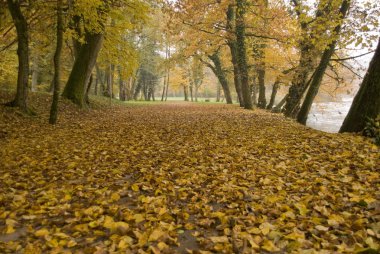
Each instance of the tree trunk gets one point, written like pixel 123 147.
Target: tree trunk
pixel 242 53
pixel 21 25
pixel 218 92
pixel 321 69
pixel 163 89
pixel 89 85
pixel 261 77
pixel 122 88
pixel 231 42
pixel 186 92
pixel 35 73
pixel 220 74
pixel 80 74
pixel 279 106
pixel 366 104
pixel 275 88
pixel 57 65
pixel 167 83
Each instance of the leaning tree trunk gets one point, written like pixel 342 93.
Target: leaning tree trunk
pixel 242 54
pixel 220 74
pixel 21 25
pixel 275 88
pixel 76 85
pixel 57 65
pixel 321 69
pixel 366 104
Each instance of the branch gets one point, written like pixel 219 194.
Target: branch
pixel 350 58
pixel 8 46
pixel 350 69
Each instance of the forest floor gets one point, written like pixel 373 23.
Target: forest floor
pixel 182 178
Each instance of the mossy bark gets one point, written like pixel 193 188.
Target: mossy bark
pixel 220 74
pixel 21 25
pixel 57 65
pixel 76 86
pixel 242 54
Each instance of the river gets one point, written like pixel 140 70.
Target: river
pixel 329 116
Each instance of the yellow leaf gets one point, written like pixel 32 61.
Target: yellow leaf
pixel 115 197
pixel 269 246
pixel 301 208
pixel 162 246
pixel 322 228
pixel 219 239
pixel 156 234
pixel 108 222
pixel 41 232
pixel 138 217
pixel 135 187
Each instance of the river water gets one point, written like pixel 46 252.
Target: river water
pixel 329 116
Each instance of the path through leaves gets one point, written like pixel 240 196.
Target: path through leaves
pixel 184 178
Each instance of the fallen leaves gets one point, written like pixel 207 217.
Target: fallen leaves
pixel 182 178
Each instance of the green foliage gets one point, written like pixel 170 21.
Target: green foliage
pixel 372 129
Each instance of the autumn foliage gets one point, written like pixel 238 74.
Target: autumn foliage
pixel 182 178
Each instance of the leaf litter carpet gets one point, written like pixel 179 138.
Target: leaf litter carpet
pixel 184 178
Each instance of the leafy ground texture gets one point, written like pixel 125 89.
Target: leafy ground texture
pixel 182 178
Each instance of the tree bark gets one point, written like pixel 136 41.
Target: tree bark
pixel 262 102
pixel 57 65
pixel 186 92
pixel 75 89
pixel 220 74
pixel 242 53
pixel 366 104
pixel 21 25
pixel 321 69
pixel 231 42
pixel 278 107
pixel 275 88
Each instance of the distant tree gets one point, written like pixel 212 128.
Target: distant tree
pixel 366 104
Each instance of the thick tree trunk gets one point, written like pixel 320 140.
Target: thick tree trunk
pixel 21 25
pixel 321 69
pixel 275 88
pixel 220 74
pixel 242 54
pixel 261 77
pixel 254 90
pixel 57 65
pixel 366 104
pixel 122 87
pixel 191 92
pixel 75 89
pixel 89 85
pixel 231 42
pixel 186 92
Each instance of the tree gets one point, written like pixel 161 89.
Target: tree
pixel 221 75
pixel 242 53
pixel 366 104
pixel 320 71
pixel 21 25
pixel 57 66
